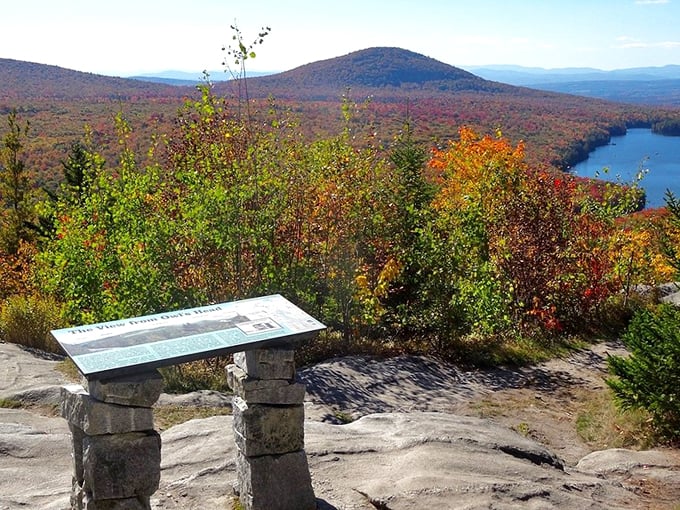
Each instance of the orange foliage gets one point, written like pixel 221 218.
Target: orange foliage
pixel 16 271
pixel 470 169
pixel 527 223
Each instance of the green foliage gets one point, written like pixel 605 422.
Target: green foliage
pixel 470 252
pixel 411 195
pixel 229 214
pixel 671 237
pixel 240 53
pixel 80 169
pixel 15 187
pixel 649 378
pixel 107 259
pixel 28 320
pixel 10 404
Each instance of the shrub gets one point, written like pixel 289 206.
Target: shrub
pixel 27 320
pixel 508 246
pixel 649 378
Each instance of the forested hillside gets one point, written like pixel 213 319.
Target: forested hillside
pixel 26 80
pixel 388 86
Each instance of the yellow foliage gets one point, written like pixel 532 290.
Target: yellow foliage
pixel 474 169
pixel 369 298
pixel 637 257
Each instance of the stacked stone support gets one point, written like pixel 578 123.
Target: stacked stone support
pixel 271 465
pixel 116 451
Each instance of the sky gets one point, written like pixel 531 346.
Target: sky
pixel 128 37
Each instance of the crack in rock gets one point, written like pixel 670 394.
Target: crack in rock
pixel 537 458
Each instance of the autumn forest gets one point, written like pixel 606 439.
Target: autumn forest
pixel 407 204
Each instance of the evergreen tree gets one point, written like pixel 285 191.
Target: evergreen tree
pixel 650 377
pixel 79 170
pixel 15 187
pixel 411 196
pixel 671 243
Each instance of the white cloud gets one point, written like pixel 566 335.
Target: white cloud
pixel 631 43
pixel 652 2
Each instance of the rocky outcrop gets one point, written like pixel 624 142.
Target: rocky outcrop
pixel 401 460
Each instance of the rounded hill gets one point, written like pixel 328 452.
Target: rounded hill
pixel 375 68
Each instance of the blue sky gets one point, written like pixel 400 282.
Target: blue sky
pixel 125 37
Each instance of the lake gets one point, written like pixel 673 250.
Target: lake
pixel 639 149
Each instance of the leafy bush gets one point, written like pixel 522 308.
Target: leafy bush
pixel 16 271
pixel 504 247
pixel 229 211
pixel 649 378
pixel 27 320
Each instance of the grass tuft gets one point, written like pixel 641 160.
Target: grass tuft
pixel 6 403
pixel 207 374
pixel 602 425
pixel 27 321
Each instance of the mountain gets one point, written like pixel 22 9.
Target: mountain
pixel 183 78
pixel 383 68
pixel 20 80
pixel 437 98
pixel 530 76
pixel 641 85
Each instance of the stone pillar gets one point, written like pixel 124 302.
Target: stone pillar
pixel 116 451
pixel 271 465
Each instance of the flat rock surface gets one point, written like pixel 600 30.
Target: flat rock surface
pixel 417 442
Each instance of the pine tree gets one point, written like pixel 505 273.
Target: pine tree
pixel 15 187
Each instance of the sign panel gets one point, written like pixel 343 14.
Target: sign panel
pixel 139 344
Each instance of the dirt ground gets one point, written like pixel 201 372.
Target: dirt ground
pixel 559 393
pixel 547 401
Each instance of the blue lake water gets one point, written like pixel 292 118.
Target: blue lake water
pixel 639 149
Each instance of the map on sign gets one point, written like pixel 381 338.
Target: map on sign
pixel 139 344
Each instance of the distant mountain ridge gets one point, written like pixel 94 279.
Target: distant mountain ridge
pixel 399 70
pixel 641 85
pixel 527 76
pixel 185 78
pixel 373 68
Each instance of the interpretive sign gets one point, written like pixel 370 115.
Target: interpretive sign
pixel 139 344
